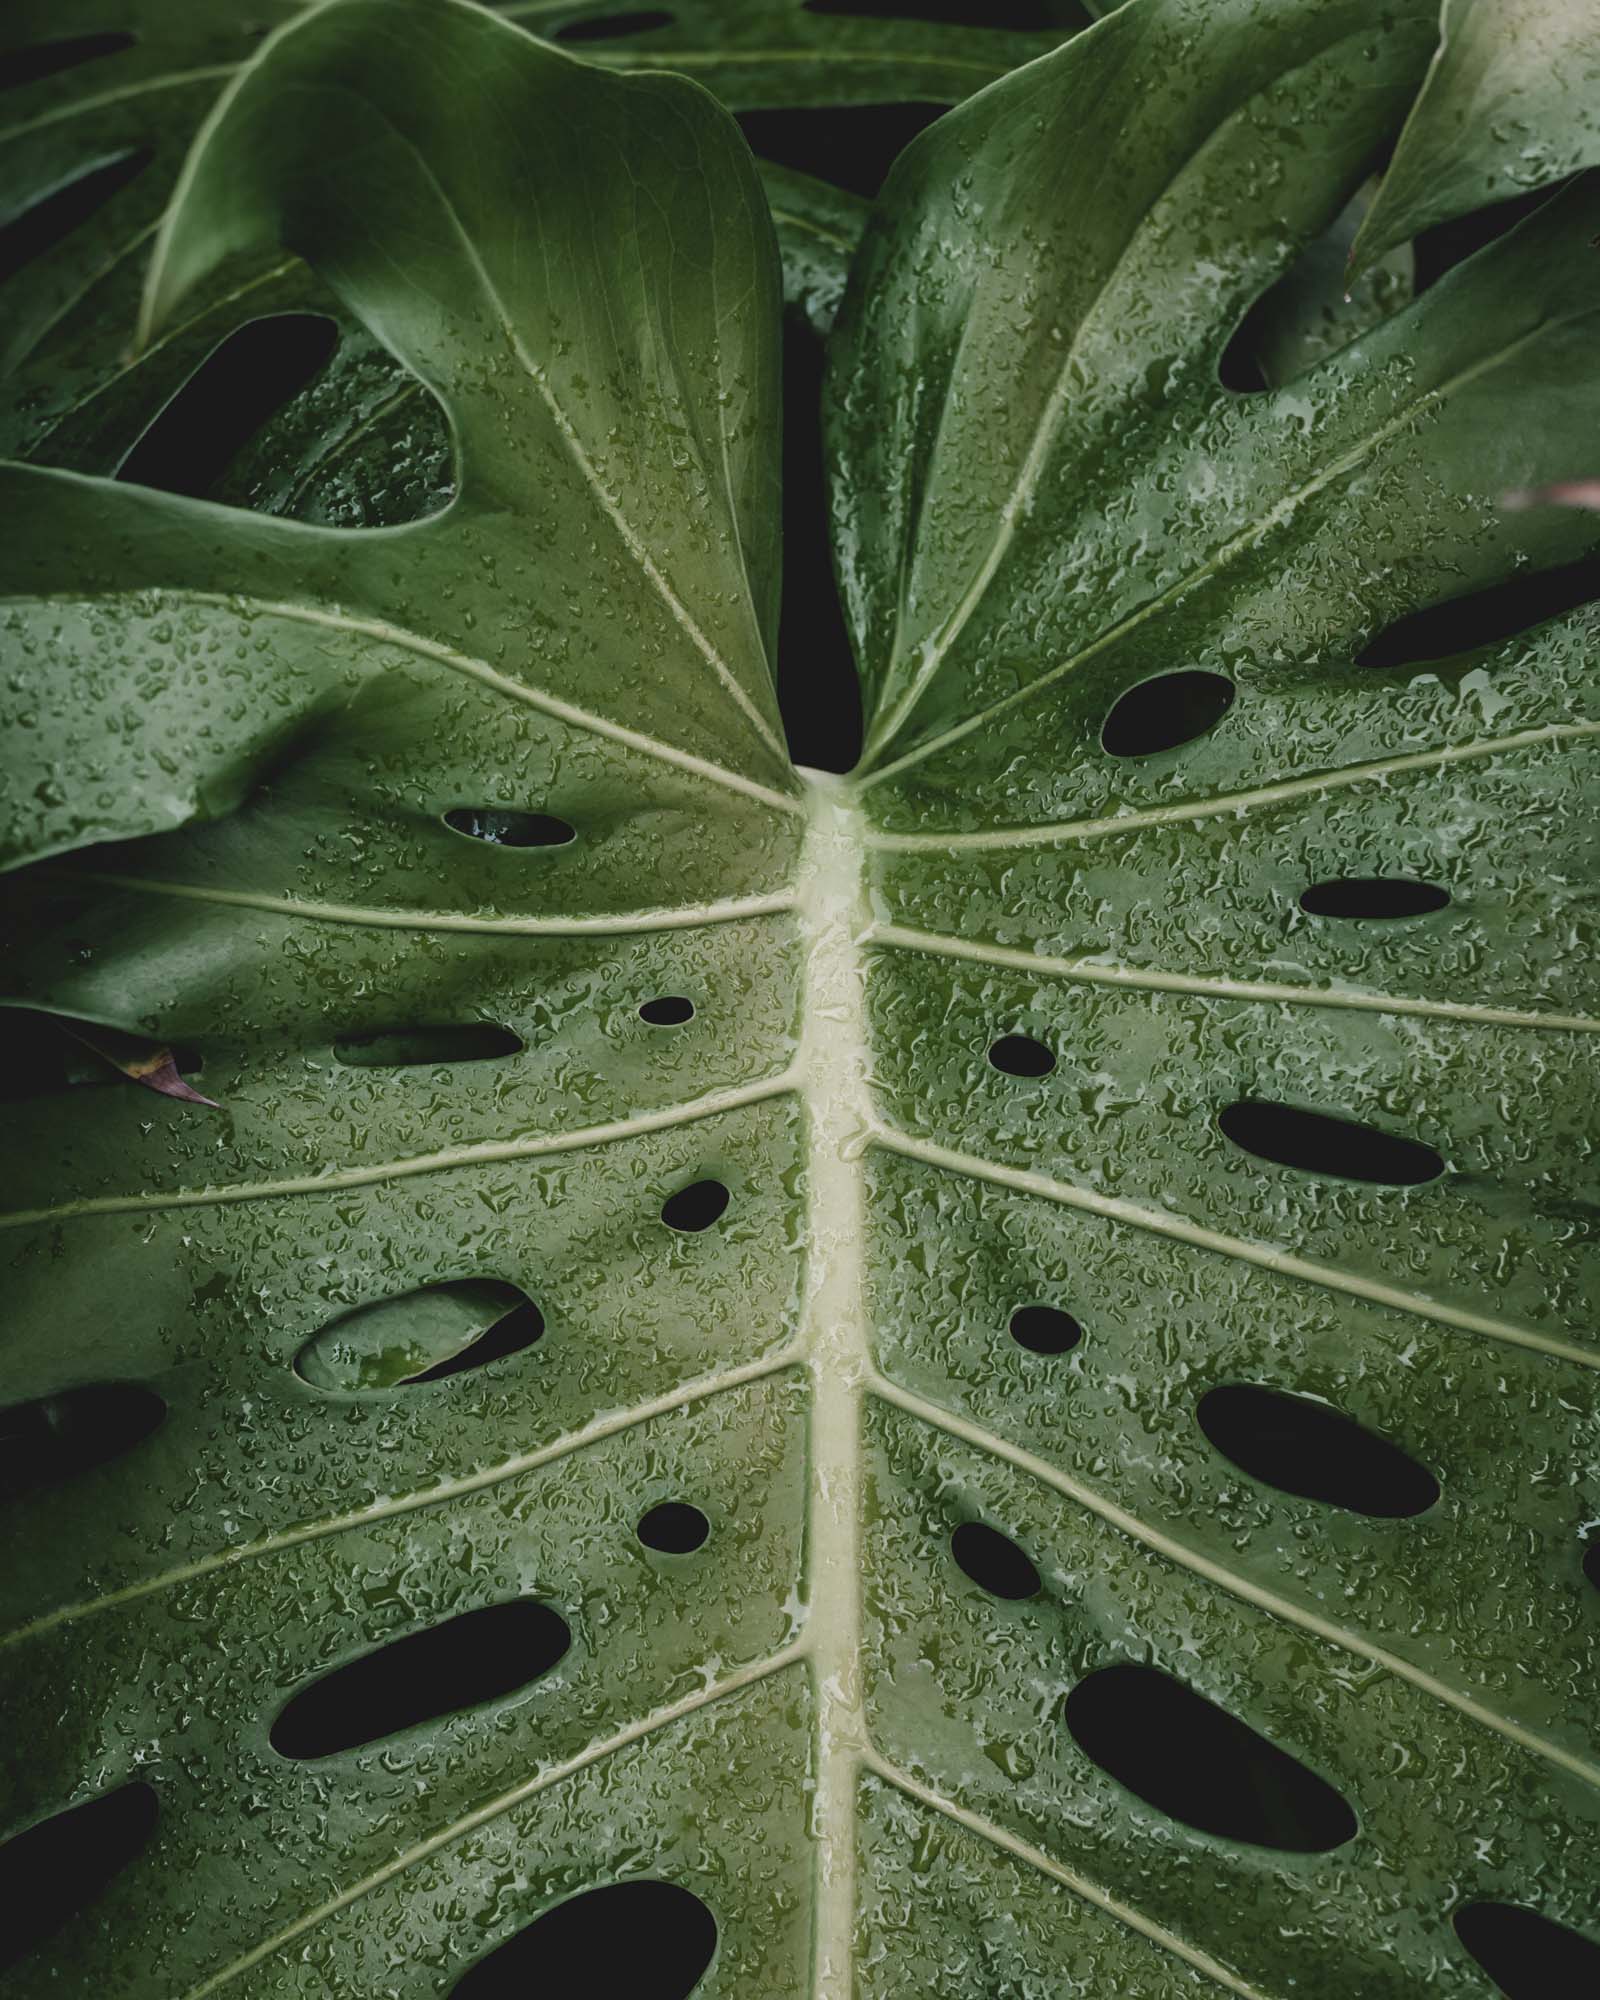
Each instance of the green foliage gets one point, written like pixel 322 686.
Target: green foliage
pixel 600 1115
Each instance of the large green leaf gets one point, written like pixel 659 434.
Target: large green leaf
pixel 873 1720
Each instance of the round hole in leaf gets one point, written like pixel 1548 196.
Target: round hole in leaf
pixel 1314 1452
pixel 993 1561
pixel 671 1011
pixel 608 27
pixel 55 1868
pixel 695 1207
pixel 1316 1142
pixel 477 1657
pixel 1591 1561
pixel 1021 1055
pixel 1528 1956
pixel 1045 1329
pixel 674 1528
pixel 646 1940
pixel 1196 1763
pixel 1374 898
pixel 501 827
pixel 56 1437
pixel 1165 713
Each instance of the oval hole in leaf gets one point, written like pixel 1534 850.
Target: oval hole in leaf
pixel 1529 1957
pixel 1022 16
pixel 671 1011
pixel 420 1336
pixel 993 1561
pixel 478 1657
pixel 56 1437
pixel 819 690
pixel 501 827
pixel 1196 1763
pixel 674 1527
pixel 414 1048
pixel 852 146
pixel 695 1207
pixel 1045 1329
pixel 1591 1561
pixel 240 384
pixel 41 59
pixel 1315 1142
pixel 606 27
pixel 1165 713
pixel 648 1940
pixel 1374 897
pixel 1305 1448
pixel 1483 617
pixel 1021 1055
pixel 56 1868
pixel 44 224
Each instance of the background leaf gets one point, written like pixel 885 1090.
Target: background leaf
pixel 1508 106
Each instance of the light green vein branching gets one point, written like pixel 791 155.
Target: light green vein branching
pixel 1220 804
pixel 1080 1885
pixel 491 1152
pixel 395 1504
pixel 1267 1256
pixel 1096 972
pixel 1217 1573
pixel 552 1774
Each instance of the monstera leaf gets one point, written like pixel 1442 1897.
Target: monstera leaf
pixel 976 1379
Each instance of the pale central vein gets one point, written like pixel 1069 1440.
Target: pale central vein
pixel 834 1075
pixel 488 1153
pixel 1267 1256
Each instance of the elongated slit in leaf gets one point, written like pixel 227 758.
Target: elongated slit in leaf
pixel 1373 898
pixel 54 1438
pixel 1317 1453
pixel 420 1336
pixel 481 1656
pixel 1529 1956
pixel 241 383
pixel 1317 1142
pixel 414 1048
pixel 1165 713
pixel 53 216
pixel 59 1866
pixel 646 1939
pixel 1196 1763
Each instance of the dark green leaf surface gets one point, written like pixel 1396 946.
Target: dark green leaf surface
pixel 965 1034
pixel 1511 103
